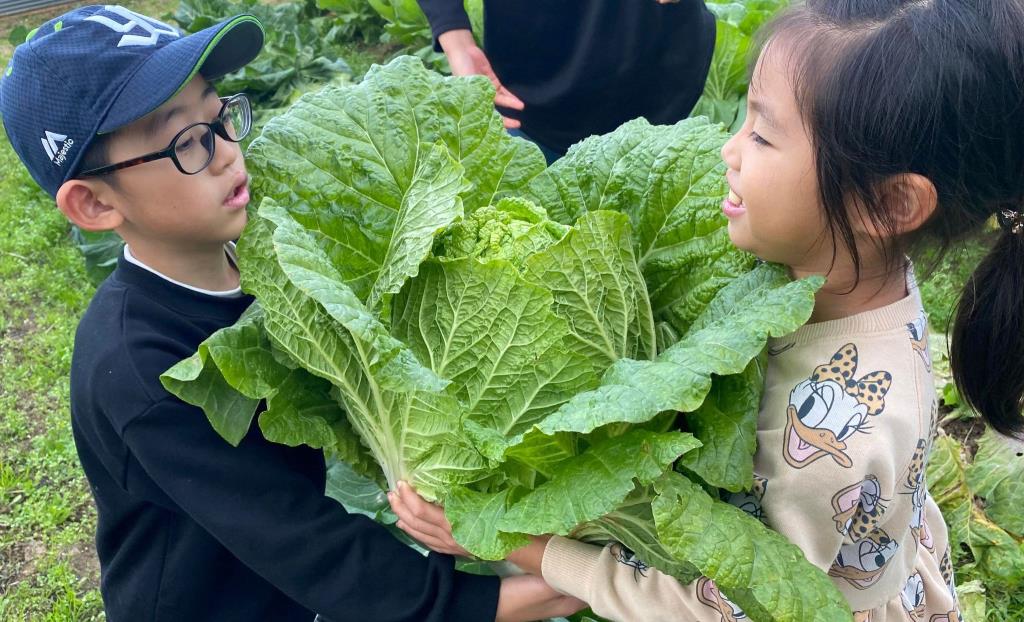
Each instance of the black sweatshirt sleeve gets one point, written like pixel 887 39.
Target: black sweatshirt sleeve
pixel 276 521
pixel 444 15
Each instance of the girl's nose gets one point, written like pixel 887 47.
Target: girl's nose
pixel 730 153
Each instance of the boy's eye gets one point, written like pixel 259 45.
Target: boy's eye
pixel 759 140
pixel 185 145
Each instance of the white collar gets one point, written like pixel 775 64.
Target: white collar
pixel 229 249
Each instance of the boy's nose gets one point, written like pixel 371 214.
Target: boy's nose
pixel 224 154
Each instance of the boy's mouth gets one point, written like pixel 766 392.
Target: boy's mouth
pixel 733 205
pixel 239 195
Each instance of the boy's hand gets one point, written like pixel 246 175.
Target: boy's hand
pixel 528 597
pixel 423 521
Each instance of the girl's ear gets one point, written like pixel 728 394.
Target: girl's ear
pixel 912 199
pixel 83 205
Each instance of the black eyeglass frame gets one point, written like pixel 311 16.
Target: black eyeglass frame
pixel 216 126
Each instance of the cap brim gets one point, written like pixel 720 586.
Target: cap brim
pixel 212 52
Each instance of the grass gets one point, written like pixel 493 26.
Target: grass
pixel 48 567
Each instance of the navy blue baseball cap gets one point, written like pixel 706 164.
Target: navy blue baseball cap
pixel 99 68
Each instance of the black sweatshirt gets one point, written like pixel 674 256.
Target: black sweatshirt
pixel 193 529
pixel 585 67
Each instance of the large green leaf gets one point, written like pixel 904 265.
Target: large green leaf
pixel 632 524
pixel 494 335
pixel 670 182
pixel 997 475
pixel 474 517
pixel 230 373
pixel 359 494
pixel 724 97
pixel 597 288
pixel 397 406
pixel 371 174
pixel 758 569
pixel 596 482
pixel 996 553
pixel 726 426
pixel 732 331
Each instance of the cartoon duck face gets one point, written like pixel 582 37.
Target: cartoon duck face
pixel 707 593
pixel 862 562
pixel 858 507
pixel 830 407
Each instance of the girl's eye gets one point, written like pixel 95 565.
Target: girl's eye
pixel 758 140
pixel 185 145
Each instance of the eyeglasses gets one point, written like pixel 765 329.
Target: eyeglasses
pixel 192 148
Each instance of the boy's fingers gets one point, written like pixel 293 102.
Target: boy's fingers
pixel 415 521
pixel 428 541
pixel 420 508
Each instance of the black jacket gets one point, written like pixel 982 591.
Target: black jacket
pixel 585 67
pixel 193 529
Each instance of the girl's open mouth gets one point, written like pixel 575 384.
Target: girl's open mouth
pixel 733 206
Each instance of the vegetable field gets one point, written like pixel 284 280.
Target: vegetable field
pixel 574 349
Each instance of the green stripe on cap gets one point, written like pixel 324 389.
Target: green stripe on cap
pixel 213 43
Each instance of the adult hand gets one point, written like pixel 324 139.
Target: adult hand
pixel 528 597
pixel 467 59
pixel 424 521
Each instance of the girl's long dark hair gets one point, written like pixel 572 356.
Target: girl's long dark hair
pixel 934 88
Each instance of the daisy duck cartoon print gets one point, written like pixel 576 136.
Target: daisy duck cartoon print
pixel 830 407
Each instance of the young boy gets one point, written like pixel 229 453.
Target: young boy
pixel 113 114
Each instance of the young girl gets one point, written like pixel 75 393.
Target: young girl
pixel 873 125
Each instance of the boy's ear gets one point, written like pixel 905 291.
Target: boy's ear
pixel 912 198
pixel 82 202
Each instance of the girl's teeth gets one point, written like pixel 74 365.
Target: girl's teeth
pixel 735 198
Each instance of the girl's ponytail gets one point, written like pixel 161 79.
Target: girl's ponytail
pixel 987 352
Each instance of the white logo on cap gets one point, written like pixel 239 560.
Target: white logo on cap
pixel 50 144
pixel 153 27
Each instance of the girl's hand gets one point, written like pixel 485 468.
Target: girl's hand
pixel 528 597
pixel 423 521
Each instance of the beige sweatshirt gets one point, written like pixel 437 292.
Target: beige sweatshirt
pixel 846 425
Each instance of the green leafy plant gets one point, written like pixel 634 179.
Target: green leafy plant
pixel 435 305
pixel 407 25
pixel 357 18
pixel 100 250
pixel 980 498
pixel 725 93
pixel 302 48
